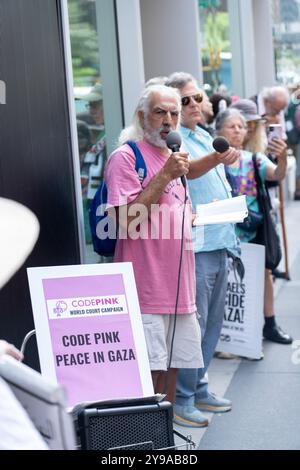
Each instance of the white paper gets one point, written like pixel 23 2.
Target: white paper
pixel 232 210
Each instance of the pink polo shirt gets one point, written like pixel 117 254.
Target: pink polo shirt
pixel 156 250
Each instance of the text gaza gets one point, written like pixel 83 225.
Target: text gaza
pixel 81 359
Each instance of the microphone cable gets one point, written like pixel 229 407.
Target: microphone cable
pixel 179 275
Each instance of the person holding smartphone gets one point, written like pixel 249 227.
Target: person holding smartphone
pixel 276 144
pixel 232 124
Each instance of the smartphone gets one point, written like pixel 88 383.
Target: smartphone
pixel 274 131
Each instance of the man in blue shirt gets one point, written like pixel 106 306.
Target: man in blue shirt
pixel 207 182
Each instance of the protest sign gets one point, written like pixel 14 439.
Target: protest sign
pixel 89 331
pixel 243 320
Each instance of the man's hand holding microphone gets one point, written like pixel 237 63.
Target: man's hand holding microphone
pixel 224 153
pixel 178 162
pixel 177 166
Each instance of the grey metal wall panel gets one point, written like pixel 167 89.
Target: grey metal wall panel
pixel 35 151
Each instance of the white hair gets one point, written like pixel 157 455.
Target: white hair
pixel 272 93
pixel 180 80
pixel 135 132
pixel 161 80
pixel 228 114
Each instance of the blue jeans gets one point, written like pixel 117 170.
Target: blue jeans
pixel 211 287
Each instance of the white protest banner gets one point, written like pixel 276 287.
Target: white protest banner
pixel 89 331
pixel 243 320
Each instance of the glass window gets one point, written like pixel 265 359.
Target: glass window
pixel 215 45
pixel 286 35
pixel 88 93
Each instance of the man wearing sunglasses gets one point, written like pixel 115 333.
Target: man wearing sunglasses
pixel 207 182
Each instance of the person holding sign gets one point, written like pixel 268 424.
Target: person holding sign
pixel 232 125
pixel 150 219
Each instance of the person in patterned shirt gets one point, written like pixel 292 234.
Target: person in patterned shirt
pixel 232 125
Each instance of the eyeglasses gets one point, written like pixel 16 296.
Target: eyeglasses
pixel 185 100
pixel 252 124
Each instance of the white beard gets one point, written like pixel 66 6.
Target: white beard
pixel 153 137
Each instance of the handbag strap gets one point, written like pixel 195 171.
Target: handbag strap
pixel 257 177
pixel 261 189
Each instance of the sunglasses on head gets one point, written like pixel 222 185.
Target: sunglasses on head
pixel 185 100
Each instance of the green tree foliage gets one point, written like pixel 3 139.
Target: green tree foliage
pixel 84 42
pixel 216 31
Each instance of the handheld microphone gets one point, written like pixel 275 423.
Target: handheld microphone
pixel 220 144
pixel 173 142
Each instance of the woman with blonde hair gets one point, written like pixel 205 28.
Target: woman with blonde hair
pixel 232 125
pixel 255 139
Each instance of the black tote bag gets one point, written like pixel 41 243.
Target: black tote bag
pixel 266 234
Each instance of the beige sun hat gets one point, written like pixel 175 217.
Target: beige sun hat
pixel 19 230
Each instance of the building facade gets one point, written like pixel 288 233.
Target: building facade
pixel 71 72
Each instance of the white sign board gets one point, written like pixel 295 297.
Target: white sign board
pixel 89 331
pixel 243 321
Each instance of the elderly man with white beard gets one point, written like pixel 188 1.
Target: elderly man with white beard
pixel 173 341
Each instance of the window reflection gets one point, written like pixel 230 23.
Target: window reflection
pixel 88 93
pixel 286 36
pixel 215 45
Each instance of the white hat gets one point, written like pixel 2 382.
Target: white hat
pixel 19 229
pixel 95 94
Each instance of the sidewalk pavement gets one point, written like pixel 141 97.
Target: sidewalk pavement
pixel 265 394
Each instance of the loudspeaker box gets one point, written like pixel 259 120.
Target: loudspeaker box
pixel 124 426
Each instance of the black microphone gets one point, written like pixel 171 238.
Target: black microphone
pixel 220 144
pixel 173 142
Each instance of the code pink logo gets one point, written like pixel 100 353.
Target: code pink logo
pixel 60 307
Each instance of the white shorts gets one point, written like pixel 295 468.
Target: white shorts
pixel 186 352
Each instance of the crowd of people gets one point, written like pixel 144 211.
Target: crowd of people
pixel 182 324
pixel 181 280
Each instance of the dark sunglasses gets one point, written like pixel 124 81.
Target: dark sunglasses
pixel 185 100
